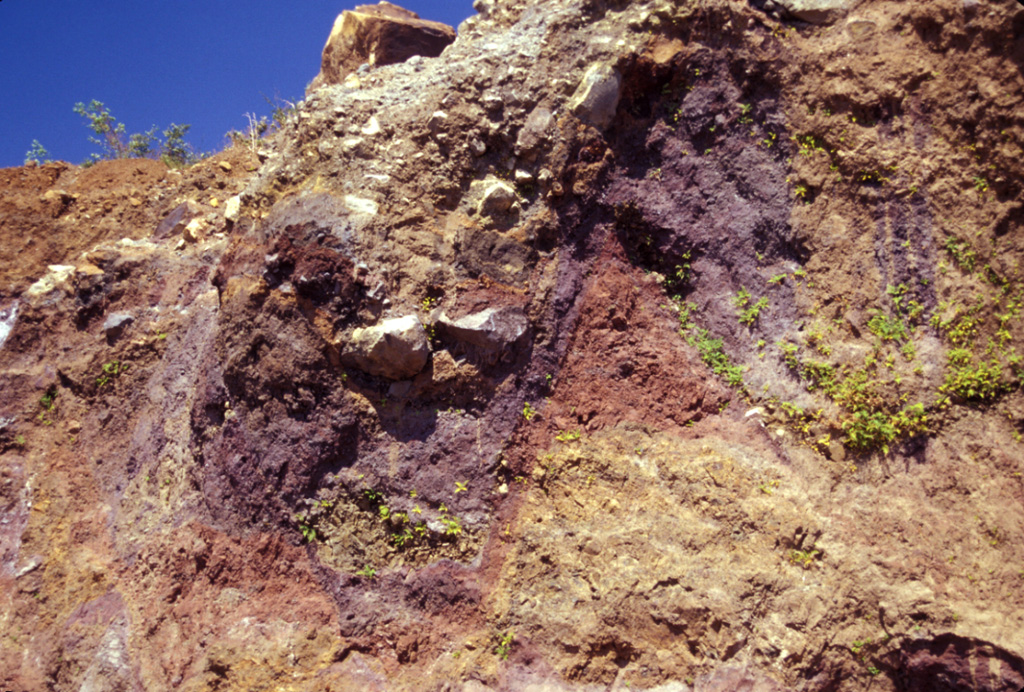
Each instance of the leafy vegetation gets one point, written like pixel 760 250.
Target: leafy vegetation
pixel 37 153
pixel 111 371
pixel 973 381
pixel 116 143
pixel 803 558
pixel 528 411
pixel 713 355
pixel 504 645
pixel 866 429
pixel 961 253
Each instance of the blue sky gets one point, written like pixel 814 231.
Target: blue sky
pixel 153 63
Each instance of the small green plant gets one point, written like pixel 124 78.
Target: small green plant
pixel 741 298
pixel 49 399
pixel 461 487
pixel 111 371
pixel 858 646
pixel 745 109
pixel 452 526
pixel 280 110
pixel 961 253
pixel 887 328
pixel 909 351
pixel 713 355
pixel 175 152
pixel 980 184
pixel 789 354
pixel 746 312
pixel 777 279
pixel 567 436
pixel 803 558
pixel 47 403
pixel 367 572
pixel 399 540
pixel 676 280
pixel 37 153
pixel 866 429
pixel 808 144
pixel 749 315
pixel 307 530
pixel 528 411
pixel 685 311
pixel 504 645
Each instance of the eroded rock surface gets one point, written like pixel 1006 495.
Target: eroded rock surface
pixel 650 345
pixel 396 348
pixel 380 34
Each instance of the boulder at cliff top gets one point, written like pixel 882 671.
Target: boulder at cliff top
pixel 381 34
pixel 396 349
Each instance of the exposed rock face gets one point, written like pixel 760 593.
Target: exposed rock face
pixel 597 96
pixel 493 329
pixel 381 34
pixel 116 323
pixel 710 375
pixel 495 197
pixel 396 348
pixel 816 11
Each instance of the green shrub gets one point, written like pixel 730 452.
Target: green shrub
pixel 714 356
pixel 887 328
pixel 981 382
pixel 37 152
pixel 867 429
pixel 115 143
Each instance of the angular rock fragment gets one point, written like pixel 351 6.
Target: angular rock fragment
pixel 233 208
pixel 381 34
pixel 56 275
pixel 492 196
pixel 493 329
pixel 174 223
pixel 395 348
pixel 534 132
pixel 597 96
pixel 8 316
pixel 816 11
pixel 115 324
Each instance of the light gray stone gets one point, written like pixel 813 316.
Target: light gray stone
pixel 116 323
pixel 396 348
pixel 535 131
pixel 497 198
pixel 817 11
pixel 491 329
pixel 8 317
pixel 597 96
